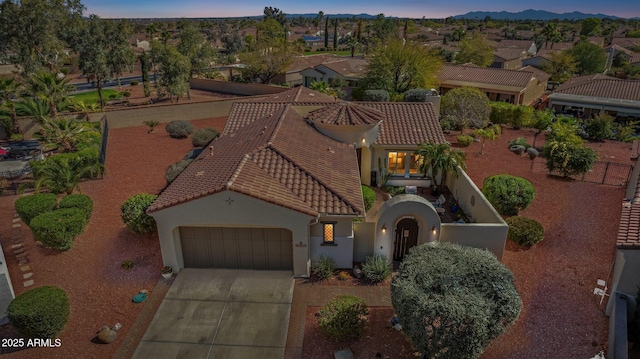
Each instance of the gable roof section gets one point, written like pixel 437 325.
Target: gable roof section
pixel 520 44
pixel 601 86
pixel 347 67
pixel 346 113
pixel 509 53
pixel 277 158
pixel 297 94
pixel 459 75
pixel 304 62
pixel 628 232
pixel 539 74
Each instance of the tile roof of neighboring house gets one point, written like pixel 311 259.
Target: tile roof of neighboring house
pixel 456 74
pixel 280 159
pixel 629 227
pixel 520 44
pixel 306 62
pixel 601 86
pixel 346 113
pixel 559 46
pixel 625 41
pixel 635 58
pixel 297 94
pixel 347 67
pixel 407 123
pixel 619 48
pixel 539 74
pixel 509 53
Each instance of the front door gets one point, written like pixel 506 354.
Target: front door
pixel 406 238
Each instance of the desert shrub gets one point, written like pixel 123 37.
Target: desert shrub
pixel 203 136
pixel 508 194
pixel 599 128
pixel 568 159
pixel 180 129
pixel 532 152
pixel 133 213
pixel 80 201
pixel 565 130
pixel 376 96
pixel 623 132
pixel 126 94
pixel 369 196
pixel 465 140
pixel 416 95
pixel 343 318
pixel 127 264
pixel 520 141
pixel 393 190
pixel 56 229
pixel 524 231
pixel 31 206
pixel 175 169
pixel 134 82
pixel 343 275
pixel 377 268
pixel 324 267
pixel 40 312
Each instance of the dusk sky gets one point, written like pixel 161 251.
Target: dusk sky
pixel 399 8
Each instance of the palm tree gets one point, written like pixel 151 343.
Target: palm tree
pixel 323 87
pixel 33 107
pixel 61 133
pixel 9 91
pixel 50 87
pixel 439 159
pixel 62 174
pixel 489 133
pixel 353 43
pixel 85 108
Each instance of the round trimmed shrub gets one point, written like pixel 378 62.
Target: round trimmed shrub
pixel 416 95
pixel 524 231
pixel 203 136
pixel 377 268
pixel 57 229
pixel 175 169
pixel 508 194
pixel 31 206
pixel 39 312
pixel 134 216
pixel 369 196
pixel 465 140
pixel 376 96
pixel 343 318
pixel 180 129
pixel 80 201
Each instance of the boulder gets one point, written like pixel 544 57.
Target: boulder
pixel 107 335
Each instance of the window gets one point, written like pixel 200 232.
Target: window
pixel 414 165
pixel 328 232
pixel 399 166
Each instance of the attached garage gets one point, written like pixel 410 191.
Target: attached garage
pixel 234 247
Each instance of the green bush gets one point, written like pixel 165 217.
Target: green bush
pixel 508 194
pixel 134 216
pixel 568 159
pixel 80 201
pixel 416 95
pixel 203 136
pixel 180 129
pixel 31 206
pixel 376 96
pixel 134 82
pixel 343 318
pixel 515 115
pixel 175 169
pixel 393 190
pixel 520 141
pixel 524 231
pixel 57 229
pixel 324 267
pixel 624 132
pixel 369 196
pixel 465 140
pixel 377 268
pixel 599 128
pixel 40 312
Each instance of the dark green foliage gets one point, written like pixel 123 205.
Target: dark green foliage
pixel 80 201
pixel 466 107
pixel 175 169
pixel 376 96
pixel 40 312
pixel 134 82
pixel 30 207
pixel 377 268
pixel 57 229
pixel 465 140
pixel 369 196
pixel 324 267
pixel 568 159
pixel 520 141
pixel 524 231
pixel 343 318
pixel 127 264
pixel 599 128
pixel 515 115
pixel 203 136
pixel 134 216
pixel 590 58
pixel 452 300
pixel 508 194
pixel 624 132
pixel 393 190
pixel 416 95
pixel 180 129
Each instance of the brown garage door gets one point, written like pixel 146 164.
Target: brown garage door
pixel 227 247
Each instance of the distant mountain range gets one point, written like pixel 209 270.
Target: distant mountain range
pixel 531 15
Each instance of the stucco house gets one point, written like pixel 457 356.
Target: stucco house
pixel 281 187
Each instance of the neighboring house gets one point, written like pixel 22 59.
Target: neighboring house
pixel 541 59
pixel 520 87
pixel 348 69
pixel 630 43
pixel 528 46
pixel 281 187
pixel 508 58
pixel 315 42
pixel 293 75
pixel 593 94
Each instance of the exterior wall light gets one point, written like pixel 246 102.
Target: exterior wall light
pixel 433 229
pixel 384 228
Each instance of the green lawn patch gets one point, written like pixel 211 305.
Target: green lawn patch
pixel 92 96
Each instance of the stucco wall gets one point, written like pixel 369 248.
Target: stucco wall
pixel 476 235
pixel 350 134
pixel 235 88
pixel 364 239
pixel 465 192
pixel 244 211
pixel 342 249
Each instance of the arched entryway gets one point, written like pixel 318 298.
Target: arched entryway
pixel 406 237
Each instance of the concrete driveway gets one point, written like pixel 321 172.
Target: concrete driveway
pixel 221 313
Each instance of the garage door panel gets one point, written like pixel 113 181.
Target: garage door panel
pixel 230 247
pixel 244 248
pixel 258 248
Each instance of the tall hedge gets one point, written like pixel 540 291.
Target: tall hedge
pixel 376 96
pixel 33 205
pixel 508 194
pixel 80 201
pixel 57 229
pixel 40 312
pixel 369 196
pixel 507 113
pixel 134 216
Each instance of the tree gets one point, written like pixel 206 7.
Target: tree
pixel 175 70
pixel 453 300
pixel 551 34
pixel 489 133
pixel 62 174
pixel 590 58
pixel 508 194
pixel 561 66
pixel 144 65
pixel 63 133
pixel 195 47
pixel 92 48
pixel 591 26
pixel 50 87
pixel 85 108
pixel 120 55
pixel 476 50
pixel 326 33
pixel 466 106
pixel 9 91
pixel 398 67
pixel 33 107
pixel 542 120
pixel 272 55
pixel 335 34
pixel 438 159
pixel 384 29
pixel 569 159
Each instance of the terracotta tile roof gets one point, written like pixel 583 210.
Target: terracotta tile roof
pixel 635 58
pixel 509 53
pixel 407 123
pixel 348 67
pixel 346 113
pixel 298 94
pixel 625 41
pixel 539 74
pixel 519 44
pixel 601 86
pixel 484 75
pixel 278 158
pixel 306 62
pixel 629 228
pixel 244 113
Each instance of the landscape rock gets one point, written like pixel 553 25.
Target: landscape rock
pixel 343 354
pixel 107 335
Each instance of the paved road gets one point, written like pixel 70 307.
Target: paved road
pixel 85 86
